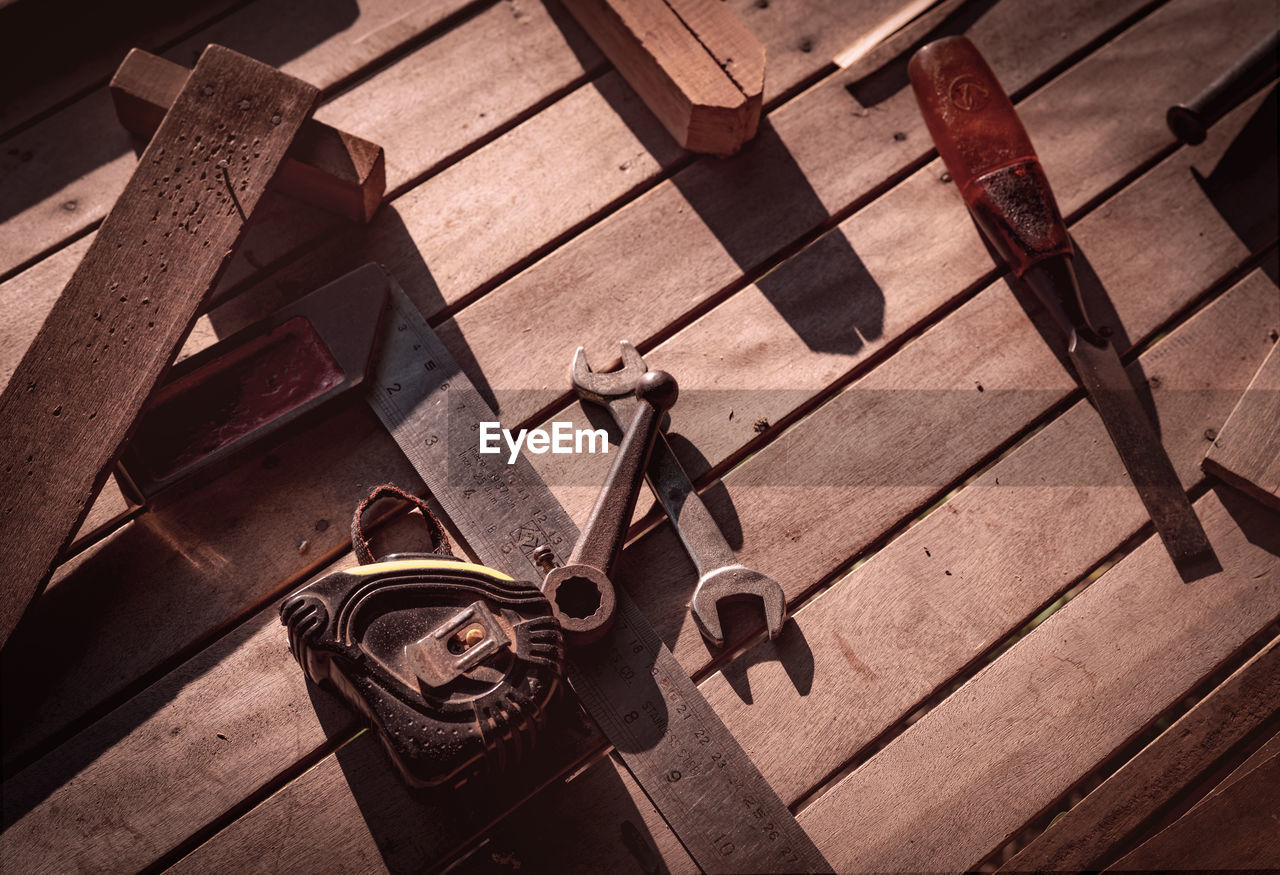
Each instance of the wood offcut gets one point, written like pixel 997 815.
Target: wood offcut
pixel 118 324
pixel 326 167
pixel 1246 453
pixel 697 68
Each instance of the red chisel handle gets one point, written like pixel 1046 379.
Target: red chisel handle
pixel 990 157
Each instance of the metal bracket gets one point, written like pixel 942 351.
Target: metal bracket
pixel 475 629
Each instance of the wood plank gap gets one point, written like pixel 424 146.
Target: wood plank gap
pixel 52 249
pixel 1184 798
pixel 514 121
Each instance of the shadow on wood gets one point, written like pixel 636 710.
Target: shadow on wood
pixel 28 177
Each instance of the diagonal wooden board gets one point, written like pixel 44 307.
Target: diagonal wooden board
pixel 117 326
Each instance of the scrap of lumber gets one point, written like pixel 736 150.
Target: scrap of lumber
pixel 325 166
pixel 117 327
pixel 1246 453
pixel 691 61
pixel 1118 808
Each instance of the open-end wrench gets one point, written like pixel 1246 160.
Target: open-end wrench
pixel 721 577
pixel 581 594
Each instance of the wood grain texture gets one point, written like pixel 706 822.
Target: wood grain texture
pixel 75 394
pixel 675 56
pixel 1246 452
pixel 1233 829
pixel 1082 837
pixel 325 167
pixel 994 754
pixel 292 501
pixel 889 613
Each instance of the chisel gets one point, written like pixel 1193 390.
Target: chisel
pixel 990 157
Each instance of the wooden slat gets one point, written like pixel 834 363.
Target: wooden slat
pixel 216 520
pixel 1234 829
pixel 1059 702
pixel 74 396
pixel 673 55
pixel 1246 453
pixel 326 167
pixel 1083 837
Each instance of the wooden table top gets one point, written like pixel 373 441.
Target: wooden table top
pixel 985 632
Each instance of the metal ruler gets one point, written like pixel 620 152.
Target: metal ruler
pixel 687 762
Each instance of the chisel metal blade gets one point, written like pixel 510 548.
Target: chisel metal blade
pixel 1103 376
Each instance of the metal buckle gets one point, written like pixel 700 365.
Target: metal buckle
pixel 474 628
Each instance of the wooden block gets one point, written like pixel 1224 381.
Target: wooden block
pixel 1081 838
pixel 117 326
pixel 1246 453
pixel 693 63
pixel 325 166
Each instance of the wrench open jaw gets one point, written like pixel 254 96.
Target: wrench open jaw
pixel 731 584
pixel 720 576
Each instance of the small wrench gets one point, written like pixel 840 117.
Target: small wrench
pixel 721 577
pixel 581 594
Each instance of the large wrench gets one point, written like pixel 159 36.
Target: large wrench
pixel 721 577
pixel 580 591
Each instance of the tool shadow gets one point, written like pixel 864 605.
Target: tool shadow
pixel 1242 184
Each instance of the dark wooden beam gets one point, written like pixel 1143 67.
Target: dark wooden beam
pixel 75 396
